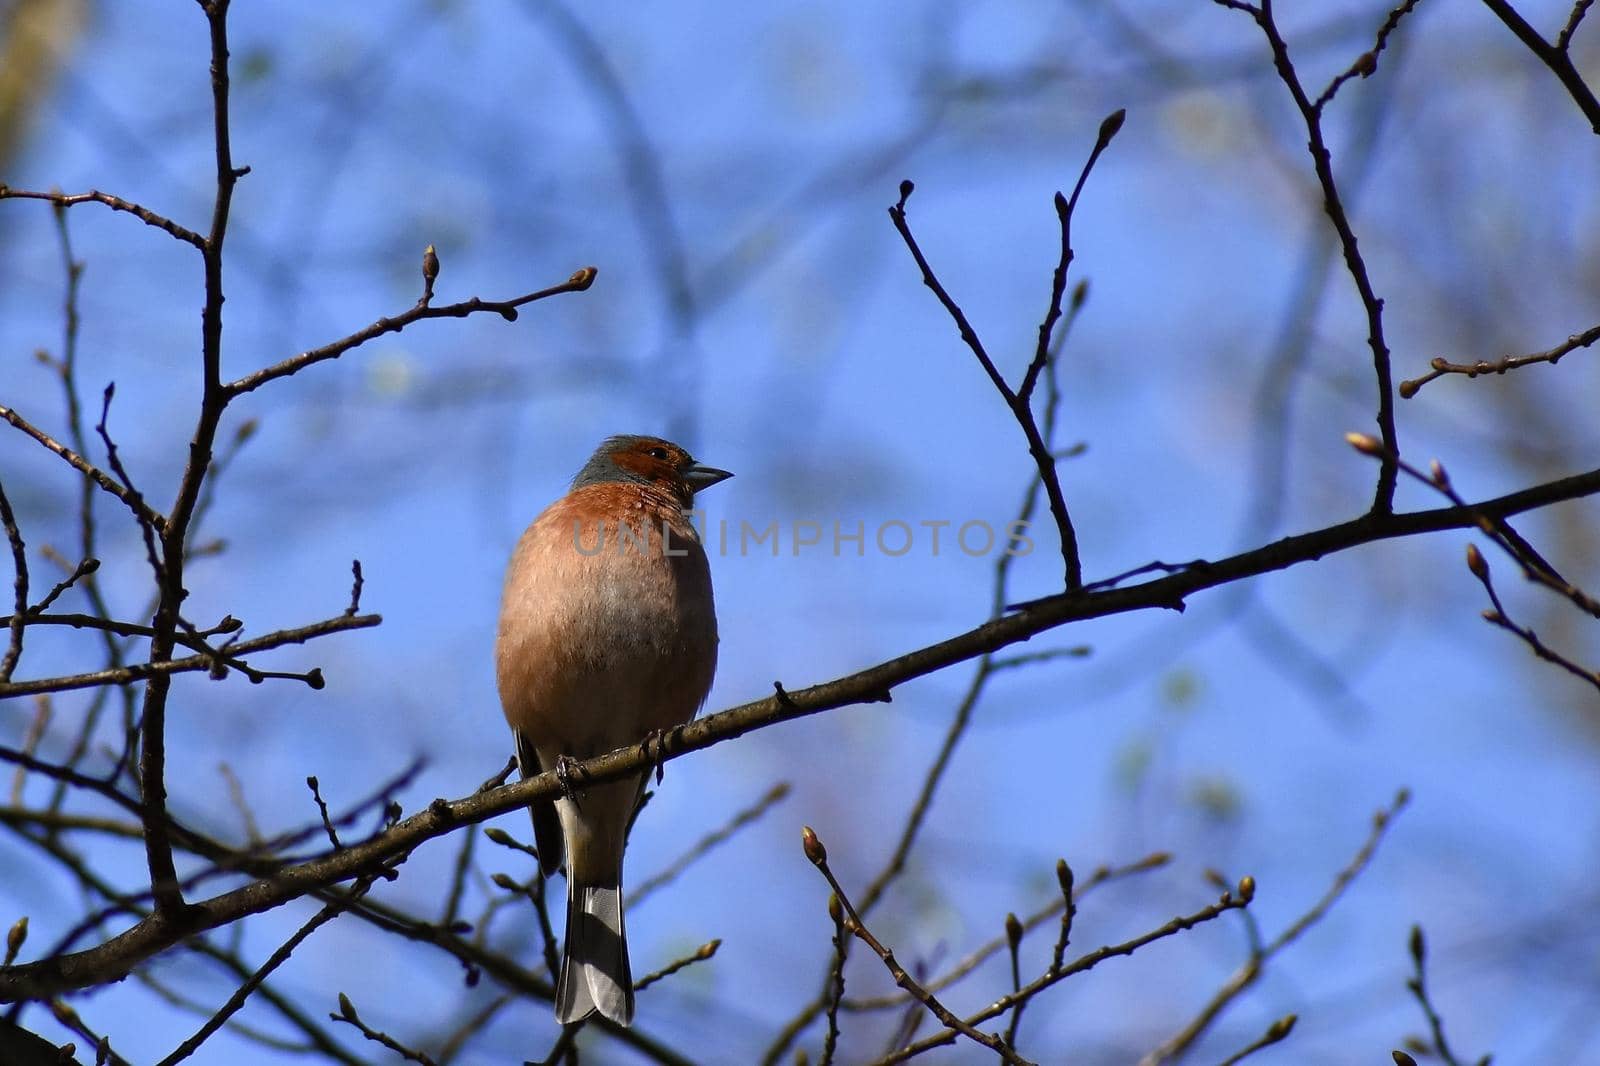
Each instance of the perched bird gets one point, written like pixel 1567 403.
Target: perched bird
pixel 608 634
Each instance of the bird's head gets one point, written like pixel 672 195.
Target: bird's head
pixel 648 461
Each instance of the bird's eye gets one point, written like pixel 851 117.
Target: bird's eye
pixel 658 453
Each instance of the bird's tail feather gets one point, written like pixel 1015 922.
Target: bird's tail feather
pixel 595 975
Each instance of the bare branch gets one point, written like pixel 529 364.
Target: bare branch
pixel 1554 56
pixel 19 562
pixel 853 924
pixel 140 509
pixel 116 203
pixel 1333 204
pixel 1260 954
pixel 165 668
pixel 506 309
pixel 1442 366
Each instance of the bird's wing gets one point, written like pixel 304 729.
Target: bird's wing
pixel 546 826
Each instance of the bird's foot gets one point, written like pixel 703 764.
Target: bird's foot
pixel 566 769
pixel 655 739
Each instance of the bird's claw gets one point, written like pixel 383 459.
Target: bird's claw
pixel 656 738
pixel 566 769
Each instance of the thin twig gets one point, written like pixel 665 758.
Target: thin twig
pixel 138 671
pixel 700 954
pixel 1556 56
pixel 19 614
pixel 1333 204
pixel 276 959
pixel 1442 366
pixel 347 1014
pixel 835 993
pixel 507 309
pixel 116 203
pixel 1366 63
pixel 1228 902
pixel 1417 983
pixel 1260 954
pixel 775 795
pixel 140 509
pixel 988 949
pixel 1575 16
pixel 1276 1032
pixel 853 924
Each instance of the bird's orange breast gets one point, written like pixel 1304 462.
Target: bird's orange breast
pixel 607 624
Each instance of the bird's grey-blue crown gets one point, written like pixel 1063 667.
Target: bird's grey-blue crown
pixel 602 466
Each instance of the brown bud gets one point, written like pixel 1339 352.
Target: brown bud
pixel 708 949
pixel 504 881
pixel 15 937
pixel 907 187
pixel 246 430
pixel 1111 124
pixel 583 277
pixel 1214 877
pixel 1247 891
pixel 1064 878
pixel 1419 946
pixel 1282 1027
pixel 1080 293
pixel 814 849
pixel 1367 64
pixel 1364 444
pixel 1437 472
pixel 498 836
pixel 835 909
pixel 347 1010
pixel 430 264
pixel 1401 1058
pixel 1013 931
pixel 1476 563
pixel 1493 616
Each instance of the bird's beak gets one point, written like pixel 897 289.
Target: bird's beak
pixel 699 477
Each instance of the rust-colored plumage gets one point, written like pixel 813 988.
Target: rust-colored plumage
pixel 607 633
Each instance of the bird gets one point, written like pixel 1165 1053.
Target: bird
pixel 607 636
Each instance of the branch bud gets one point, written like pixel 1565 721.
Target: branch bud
pixel 1064 879
pixel 814 849
pixel 835 909
pixel 1364 444
pixel 1477 563
pixel 1080 293
pixel 1282 1027
pixel 347 1010
pixel 1367 64
pixel 430 265
pixel 15 938
pixel 1247 892
pixel 1013 932
pixel 1109 127
pixel 1419 946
